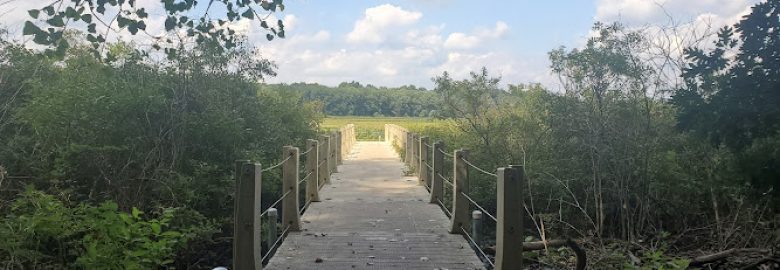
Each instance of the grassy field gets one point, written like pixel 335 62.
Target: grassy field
pixel 372 128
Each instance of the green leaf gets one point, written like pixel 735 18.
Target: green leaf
pixel 49 10
pixel 34 13
pixel 170 23
pixel 71 12
pixel 264 24
pixel 92 28
pixel 156 228
pixel 56 21
pixel 142 13
pixel 269 37
pixel 136 213
pixel 87 18
pixel 122 21
pixel 141 25
pixel 30 29
pixel 133 28
pixel 249 14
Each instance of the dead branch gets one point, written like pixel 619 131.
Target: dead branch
pixel 709 258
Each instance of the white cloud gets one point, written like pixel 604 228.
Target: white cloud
pixel 378 21
pixel 290 22
pixel 461 41
pixel 464 41
pixel 658 11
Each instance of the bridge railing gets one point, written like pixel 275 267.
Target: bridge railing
pixel 430 161
pixel 315 164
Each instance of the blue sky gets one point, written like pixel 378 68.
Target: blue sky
pixel 393 43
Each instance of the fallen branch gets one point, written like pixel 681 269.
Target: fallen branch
pixel 540 245
pixel 709 258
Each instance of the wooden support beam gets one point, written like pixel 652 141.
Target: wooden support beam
pixel 437 186
pixel 509 228
pixel 332 162
pixel 312 190
pixel 339 148
pixel 460 205
pixel 290 177
pixel 425 172
pixel 324 171
pixel 246 230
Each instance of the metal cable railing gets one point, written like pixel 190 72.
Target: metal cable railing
pixel 305 206
pixel 307 151
pixel 276 244
pixel 273 205
pixel 444 207
pixel 477 247
pixel 445 153
pixel 277 165
pixel 479 207
pixel 446 179
pixel 438 169
pixel 304 178
pixel 477 168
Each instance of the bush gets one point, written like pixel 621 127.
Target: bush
pixel 43 232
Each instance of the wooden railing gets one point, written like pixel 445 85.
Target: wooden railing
pixel 322 157
pixel 427 161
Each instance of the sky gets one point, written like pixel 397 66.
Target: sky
pixel 394 43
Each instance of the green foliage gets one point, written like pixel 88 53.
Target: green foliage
pixel 41 231
pixel 60 15
pixel 658 260
pixel 355 99
pixel 732 100
pixel 143 135
pixel 604 159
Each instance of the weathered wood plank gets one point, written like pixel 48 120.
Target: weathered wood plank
pixel 372 217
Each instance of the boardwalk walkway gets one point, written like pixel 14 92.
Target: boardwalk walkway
pixel 372 217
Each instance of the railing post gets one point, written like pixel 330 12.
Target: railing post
pixel 437 187
pixel 322 164
pixel 246 230
pixel 476 227
pixel 425 172
pixel 339 146
pixel 312 190
pixel 415 153
pixel 273 217
pixel 460 205
pixel 509 227
pixel 387 138
pixel 332 153
pixel 290 177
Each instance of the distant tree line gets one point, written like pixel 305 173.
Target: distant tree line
pixel 353 98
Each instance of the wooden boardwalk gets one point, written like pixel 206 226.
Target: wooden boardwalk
pixel 372 217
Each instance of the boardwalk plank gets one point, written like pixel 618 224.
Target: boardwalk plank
pixel 372 217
